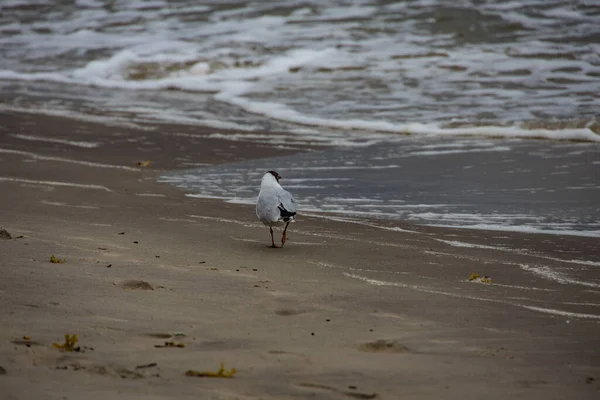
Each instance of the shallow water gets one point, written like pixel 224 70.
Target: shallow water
pixel 510 185
pixel 423 67
pixel 349 77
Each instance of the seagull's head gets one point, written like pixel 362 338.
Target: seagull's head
pixel 275 174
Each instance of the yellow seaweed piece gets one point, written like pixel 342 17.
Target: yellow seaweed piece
pixel 473 276
pixel 146 163
pixel 221 373
pixel 55 260
pixel 69 344
pixel 482 279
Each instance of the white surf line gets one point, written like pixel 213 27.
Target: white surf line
pixel 364 223
pixel 192 221
pixel 523 287
pixel 67 160
pixel 560 312
pixel 59 204
pixel 245 239
pixel 446 152
pixel 239 239
pixel 574 303
pixel 549 274
pixel 200 196
pixel 53 183
pixel 444 254
pixel 351 239
pixel 520 229
pixel 63 113
pixel 300 232
pixel 456 243
pixel 376 282
pixel 580 262
pixel 521 252
pixel 257 225
pixel 227 221
pixel 150 195
pixel 328 236
pixel 326 265
pixel 85 145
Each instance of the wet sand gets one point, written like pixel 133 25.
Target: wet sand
pixel 347 309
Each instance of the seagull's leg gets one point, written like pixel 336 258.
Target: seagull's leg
pixel 283 236
pixel 272 240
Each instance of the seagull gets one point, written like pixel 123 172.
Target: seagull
pixel 275 205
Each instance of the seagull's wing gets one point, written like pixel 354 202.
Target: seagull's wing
pixel 266 207
pixel 274 205
pixel 287 204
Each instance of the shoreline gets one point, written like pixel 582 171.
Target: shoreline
pixel 344 310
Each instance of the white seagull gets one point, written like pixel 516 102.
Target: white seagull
pixel 275 205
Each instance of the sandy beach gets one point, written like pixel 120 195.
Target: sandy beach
pixel 346 310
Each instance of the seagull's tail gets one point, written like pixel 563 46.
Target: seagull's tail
pixel 286 215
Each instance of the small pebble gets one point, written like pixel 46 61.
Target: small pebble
pixel 109 265
pixel 312 334
pixel 135 241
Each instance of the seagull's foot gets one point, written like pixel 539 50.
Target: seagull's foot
pixel 283 238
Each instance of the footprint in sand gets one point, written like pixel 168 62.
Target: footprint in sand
pixel 104 370
pixel 289 355
pixel 284 312
pixel 352 394
pixel 135 285
pixel 26 342
pixel 115 371
pixel 383 346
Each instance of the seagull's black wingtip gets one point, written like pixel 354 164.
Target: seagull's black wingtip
pixel 285 214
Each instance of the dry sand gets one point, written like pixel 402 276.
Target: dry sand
pixel 318 319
